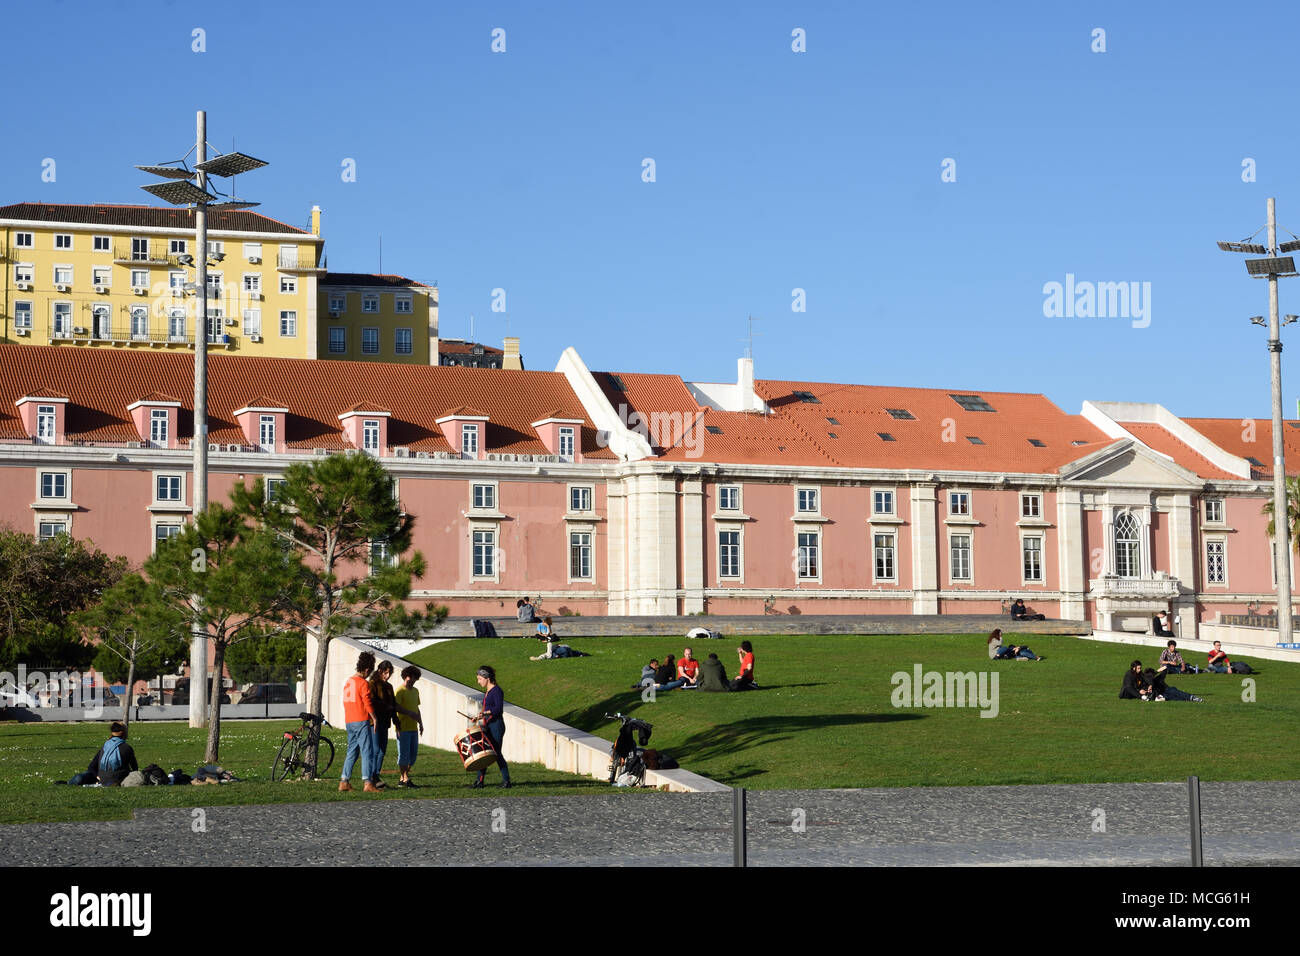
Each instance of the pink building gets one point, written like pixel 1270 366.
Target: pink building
pixel 641 494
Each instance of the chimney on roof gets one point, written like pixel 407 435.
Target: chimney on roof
pixel 315 220
pixel 745 384
pixel 511 358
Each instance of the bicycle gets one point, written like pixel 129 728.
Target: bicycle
pixel 292 757
pixel 626 757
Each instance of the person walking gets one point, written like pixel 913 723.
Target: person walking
pixel 359 718
pixel 492 722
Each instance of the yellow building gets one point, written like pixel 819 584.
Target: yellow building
pixel 115 277
pixel 382 318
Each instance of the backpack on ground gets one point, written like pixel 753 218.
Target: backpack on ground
pixel 484 628
pixel 155 776
pixel 133 779
pixel 179 777
pixel 1241 667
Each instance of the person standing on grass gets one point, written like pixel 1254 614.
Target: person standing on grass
pixel 491 719
pixel 382 697
pixel 359 717
pixel 409 724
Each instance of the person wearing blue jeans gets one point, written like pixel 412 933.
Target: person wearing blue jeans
pixel 359 718
pixel 491 719
pixel 1006 652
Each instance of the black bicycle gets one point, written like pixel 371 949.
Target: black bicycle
pixel 627 756
pixel 292 758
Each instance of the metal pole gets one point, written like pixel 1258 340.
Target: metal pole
pixel 1281 515
pixel 198 633
pixel 1194 796
pixel 740 855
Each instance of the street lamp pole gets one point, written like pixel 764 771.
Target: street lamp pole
pixel 183 186
pixel 1281 515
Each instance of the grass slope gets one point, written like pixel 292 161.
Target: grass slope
pixel 824 717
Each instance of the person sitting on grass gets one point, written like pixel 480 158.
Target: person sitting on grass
pixel 546 633
pixel 745 679
pixel 115 759
pixel 688 669
pixel 1159 690
pixel 1218 660
pixel 1173 662
pixel 713 676
pixel 666 677
pixel 1134 687
pixel 1008 652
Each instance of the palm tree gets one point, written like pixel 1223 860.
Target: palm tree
pixel 1292 512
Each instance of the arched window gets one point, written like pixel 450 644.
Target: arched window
pixel 1128 546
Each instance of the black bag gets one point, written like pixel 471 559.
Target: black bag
pixel 484 628
pixel 155 776
pixel 1241 667
pixel 179 777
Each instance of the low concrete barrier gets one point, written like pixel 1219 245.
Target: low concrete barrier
pixel 145 713
pixel 530 737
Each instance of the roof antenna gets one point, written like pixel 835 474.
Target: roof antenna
pixel 381 253
pixel 749 349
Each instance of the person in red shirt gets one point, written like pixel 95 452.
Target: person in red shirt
pixel 745 679
pixel 1218 660
pixel 359 715
pixel 688 669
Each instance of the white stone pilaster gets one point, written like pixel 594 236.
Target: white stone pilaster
pixel 925 550
pixel 692 545
pixel 1072 554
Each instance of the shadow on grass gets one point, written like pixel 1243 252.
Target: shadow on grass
pixel 727 739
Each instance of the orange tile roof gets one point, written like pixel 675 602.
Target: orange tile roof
pixel 102 382
pixel 368 407
pixel 1252 438
pixel 379 280
pixel 158 397
pixel 43 393
pixel 1158 438
pixel 162 217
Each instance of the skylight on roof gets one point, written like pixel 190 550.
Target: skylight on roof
pixel 832 435
pixel 901 413
pixel 833 421
pixel 807 397
pixel 1256 462
pixel 885 436
pixel 713 429
pixel 975 439
pixel 972 403
pixel 617 383
pixel 1037 443
pixel 1078 442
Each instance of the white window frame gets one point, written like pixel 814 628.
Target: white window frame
pixel 252 282
pixel 370 341
pixel 178 247
pixel 1219 506
pixel 398 349
pixel 24 240
pixel 23 308
pixel 174 480
pixel 170 524
pixel 381 556
pixel 61 324
pixel 25 272
pixel 47 424
pixel 370 302
pixel 63 242
pixel 101 244
pixel 566 435
pixel 1222 544
pixel 469 436
pixel 101 313
pixel 65 474
pixel 370 432
pixel 492 573
pixel 68 272
pixel 801 566
pixel 101 275
pixel 266 425
pixel 953 577
pixel 479 502
pixel 590 548
pixel 891 499
pixel 341 348
pixel 270 484
pixel 252 321
pixel 1031 505
pixel 576 495
pixel 1025 550
pixel 289 321
pixel 739 576
pixel 800 496
pixel 338 302
pixel 139 333
pixel 402 304
pixel 959 504
pixel 177 319
pixel 288 285
pixel 159 436
pixel 140 249
pixel 42 522
pixel 892 549
pixel 252 250
pixel 215 247
pixel 731 492
pixel 1138 553
pixel 176 281
pixel 135 279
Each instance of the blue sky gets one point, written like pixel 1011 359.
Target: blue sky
pixel 774 171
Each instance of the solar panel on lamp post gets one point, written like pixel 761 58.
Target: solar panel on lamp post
pixel 183 187
pixel 1272 268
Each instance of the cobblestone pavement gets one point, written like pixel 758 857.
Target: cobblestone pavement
pixel 1144 824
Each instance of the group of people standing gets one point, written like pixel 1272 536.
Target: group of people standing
pixel 370 709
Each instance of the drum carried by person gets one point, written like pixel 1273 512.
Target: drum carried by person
pixel 474 746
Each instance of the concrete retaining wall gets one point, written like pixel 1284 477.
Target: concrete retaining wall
pixel 529 738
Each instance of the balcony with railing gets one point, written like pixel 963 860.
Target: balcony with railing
pixel 1157 587
pixel 293 263
pixel 147 254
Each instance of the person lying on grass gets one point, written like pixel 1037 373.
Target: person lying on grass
pixel 1155 681
pixel 1008 652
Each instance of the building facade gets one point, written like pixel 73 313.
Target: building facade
pixel 378 318
pixel 622 493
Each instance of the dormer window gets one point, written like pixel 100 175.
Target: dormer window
pixel 159 419
pixel 46 415
pixel 469 441
pixel 370 436
pixel 266 433
pixel 566 443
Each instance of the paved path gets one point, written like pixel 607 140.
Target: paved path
pixel 1145 824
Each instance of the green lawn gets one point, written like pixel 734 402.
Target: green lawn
pixel 824 718
pixel 35 755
